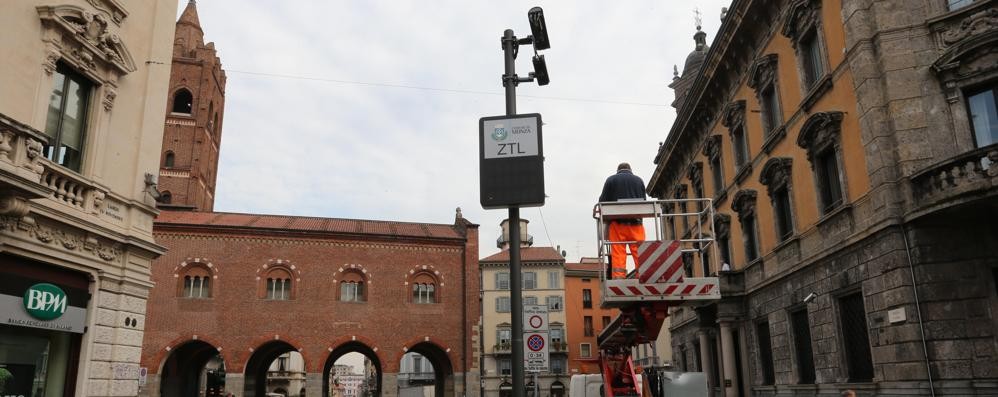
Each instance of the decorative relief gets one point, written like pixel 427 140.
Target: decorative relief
pixel 975 171
pixel 977 23
pixel 695 174
pixel 744 202
pixel 712 148
pixel 763 71
pixel 109 95
pixel 776 173
pixel 733 114
pixel 84 38
pixel 6 138
pixel 801 16
pixel 63 239
pixel 722 225
pixel 33 149
pixel 111 8
pixel 820 132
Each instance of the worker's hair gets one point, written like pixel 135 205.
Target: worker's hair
pixel 623 166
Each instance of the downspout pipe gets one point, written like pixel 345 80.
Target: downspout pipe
pixel 918 309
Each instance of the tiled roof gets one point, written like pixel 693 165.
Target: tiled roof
pixel 583 266
pixel 307 224
pixel 527 254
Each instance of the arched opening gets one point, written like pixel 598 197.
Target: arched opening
pixel 168 159
pixel 352 370
pixel 439 362
pixel 557 389
pixel 183 102
pixel 275 365
pixel 505 389
pixel 193 369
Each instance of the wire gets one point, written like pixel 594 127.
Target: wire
pixel 545 224
pixel 438 89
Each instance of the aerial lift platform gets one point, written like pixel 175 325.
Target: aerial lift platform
pixel 658 282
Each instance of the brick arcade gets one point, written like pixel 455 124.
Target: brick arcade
pixel 249 288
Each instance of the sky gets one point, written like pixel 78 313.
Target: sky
pixel 369 109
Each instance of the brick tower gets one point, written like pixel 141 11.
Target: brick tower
pixel 193 130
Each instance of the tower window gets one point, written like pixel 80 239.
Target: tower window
pixel 168 159
pixel 183 102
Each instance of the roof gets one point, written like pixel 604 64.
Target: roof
pixel 535 254
pixel 306 224
pixel 190 15
pixel 583 266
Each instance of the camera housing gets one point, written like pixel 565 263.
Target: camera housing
pixel 538 29
pixel 540 70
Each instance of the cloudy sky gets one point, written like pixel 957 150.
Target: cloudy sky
pixel 369 109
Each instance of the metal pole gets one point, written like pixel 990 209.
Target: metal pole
pixel 515 277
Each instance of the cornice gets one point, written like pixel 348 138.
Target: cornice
pixel 303 241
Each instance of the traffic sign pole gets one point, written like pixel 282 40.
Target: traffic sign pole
pixel 515 278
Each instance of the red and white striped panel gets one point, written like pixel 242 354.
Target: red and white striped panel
pixel 660 262
pixel 698 288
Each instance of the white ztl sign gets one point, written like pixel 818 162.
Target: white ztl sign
pixel 535 338
pixel 513 137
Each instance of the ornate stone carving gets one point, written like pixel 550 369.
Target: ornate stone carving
pixel 819 132
pixel 109 95
pixel 977 23
pixel 6 138
pixel 52 56
pixel 14 206
pixel 84 38
pixel 776 173
pixel 33 149
pixel 63 239
pixel 111 8
pixel 802 15
pixel 762 72
pixel 722 225
pixel 712 147
pixel 695 174
pixel 733 114
pixel 744 202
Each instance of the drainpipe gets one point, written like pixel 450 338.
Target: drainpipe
pixel 918 309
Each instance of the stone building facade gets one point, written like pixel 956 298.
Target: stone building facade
pixel 80 129
pixel 850 149
pixel 192 135
pixel 248 288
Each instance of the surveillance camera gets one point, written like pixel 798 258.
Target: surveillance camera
pixel 810 297
pixel 538 28
pixel 541 70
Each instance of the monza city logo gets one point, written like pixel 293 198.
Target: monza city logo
pixel 499 133
pixel 45 301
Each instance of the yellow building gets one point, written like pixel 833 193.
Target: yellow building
pixel 849 148
pixel 81 122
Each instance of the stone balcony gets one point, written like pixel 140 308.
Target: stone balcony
pixel 965 178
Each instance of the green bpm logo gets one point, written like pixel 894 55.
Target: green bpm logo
pixel 499 133
pixel 45 301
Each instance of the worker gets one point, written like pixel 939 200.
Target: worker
pixel 623 185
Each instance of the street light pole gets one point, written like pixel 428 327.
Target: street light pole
pixel 509 81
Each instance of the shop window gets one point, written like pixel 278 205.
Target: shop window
pixel 765 353
pixel 776 176
pixel 983 110
pixel 820 137
pixel 802 346
pixel 856 337
pixel 352 286
pixel 183 102
pixel 424 288
pixel 744 204
pixel 66 122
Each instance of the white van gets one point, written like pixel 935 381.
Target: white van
pixel 589 385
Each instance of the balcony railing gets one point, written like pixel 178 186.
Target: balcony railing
pixel 417 378
pixel 971 173
pixel 502 348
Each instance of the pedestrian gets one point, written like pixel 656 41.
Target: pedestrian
pixel 623 185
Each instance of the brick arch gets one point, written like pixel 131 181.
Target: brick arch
pixel 431 341
pixel 256 343
pixel 363 340
pixel 188 265
pixel 347 267
pixel 163 353
pixel 281 265
pixel 424 271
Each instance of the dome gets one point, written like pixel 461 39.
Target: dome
pixel 697 56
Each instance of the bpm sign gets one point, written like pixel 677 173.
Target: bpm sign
pixel 45 301
pixel 535 337
pixel 511 161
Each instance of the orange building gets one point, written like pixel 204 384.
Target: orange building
pixel 583 316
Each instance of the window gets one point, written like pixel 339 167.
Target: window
pixel 587 298
pixel 705 263
pixel 810 53
pixel 504 367
pixel 770 109
pixel 351 291
pixel 503 336
pixel 587 326
pixel 740 146
pixel 554 303
pixel 211 110
pixel 716 175
pixel 502 280
pixel 557 336
pixel 530 300
pixel 984 116
pixel 765 353
pixel 744 204
pixel 168 159
pixel 197 286
pixel 958 4
pixel 502 304
pixel 278 288
pixel 183 102
pixel 557 365
pixel 585 350
pixel 282 363
pixel 695 174
pixel 802 346
pixel 65 124
pixel 681 194
pixel 820 137
pixel 748 234
pixel 423 293
pixel 529 280
pixel 856 337
pixel 554 279
pixel 687 264
pixel 606 321
pixel 782 209
pixel 417 364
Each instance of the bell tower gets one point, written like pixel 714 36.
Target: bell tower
pixel 193 128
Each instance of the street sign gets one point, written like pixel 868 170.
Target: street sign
pixel 511 161
pixel 535 337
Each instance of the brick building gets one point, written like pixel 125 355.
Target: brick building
pixel 850 149
pixel 249 288
pixel 192 136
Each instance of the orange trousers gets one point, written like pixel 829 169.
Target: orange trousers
pixel 618 252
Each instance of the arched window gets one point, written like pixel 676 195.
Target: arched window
pixel 278 285
pixel 424 288
pixel 168 159
pixel 195 283
pixel 183 102
pixel 352 287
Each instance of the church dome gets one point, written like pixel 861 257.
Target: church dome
pixel 697 56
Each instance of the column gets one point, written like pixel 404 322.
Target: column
pixel 730 377
pixel 234 383
pixel 389 384
pixel 313 384
pixel 706 362
pixel 743 347
pixel 719 356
